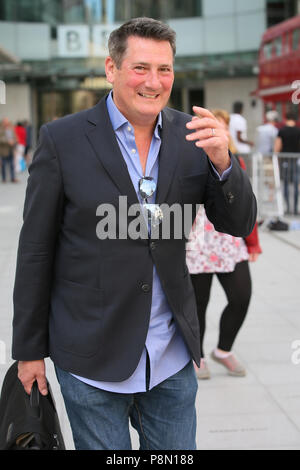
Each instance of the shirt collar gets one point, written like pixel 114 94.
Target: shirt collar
pixel 118 119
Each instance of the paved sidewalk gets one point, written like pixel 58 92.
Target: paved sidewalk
pixel 259 411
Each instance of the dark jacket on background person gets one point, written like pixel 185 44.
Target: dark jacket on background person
pixel 6 135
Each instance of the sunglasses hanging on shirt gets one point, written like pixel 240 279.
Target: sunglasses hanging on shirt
pixel 147 188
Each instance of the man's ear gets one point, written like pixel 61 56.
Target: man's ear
pixel 110 67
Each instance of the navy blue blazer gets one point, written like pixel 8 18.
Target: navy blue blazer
pixel 86 302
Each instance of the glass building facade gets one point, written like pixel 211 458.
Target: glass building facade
pixel 280 10
pixel 95 11
pixel 61 45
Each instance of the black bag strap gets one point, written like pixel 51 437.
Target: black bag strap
pixel 34 400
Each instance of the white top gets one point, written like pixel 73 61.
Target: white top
pixel 239 124
pixel 265 138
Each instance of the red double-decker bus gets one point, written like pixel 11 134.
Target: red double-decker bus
pixel 279 68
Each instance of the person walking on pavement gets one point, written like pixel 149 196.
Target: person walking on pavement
pixel 117 314
pixel 288 141
pixel 264 144
pixel 226 257
pixel 238 129
pixel 28 146
pixel 20 132
pixel 7 145
pixel 266 134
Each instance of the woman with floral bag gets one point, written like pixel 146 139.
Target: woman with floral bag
pixel 228 258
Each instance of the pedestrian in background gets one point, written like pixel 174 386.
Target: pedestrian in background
pixel 238 129
pixel 266 134
pixel 227 257
pixel 264 144
pixel 288 141
pixel 28 146
pixel 7 145
pixel 20 132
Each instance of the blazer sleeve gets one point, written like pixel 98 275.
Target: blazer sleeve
pixel 230 204
pixel 42 214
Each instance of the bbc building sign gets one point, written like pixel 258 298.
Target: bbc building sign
pixel 81 41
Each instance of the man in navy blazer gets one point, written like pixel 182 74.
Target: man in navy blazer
pixel 117 313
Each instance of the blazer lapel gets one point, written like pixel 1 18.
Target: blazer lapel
pixel 102 138
pixel 168 158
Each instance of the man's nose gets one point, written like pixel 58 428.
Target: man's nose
pixel 153 80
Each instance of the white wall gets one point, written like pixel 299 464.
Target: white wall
pixel 222 94
pixel 17 107
pixel 226 26
pixel 29 41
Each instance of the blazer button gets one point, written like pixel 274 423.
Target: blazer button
pixel 230 197
pixel 145 288
pixel 152 245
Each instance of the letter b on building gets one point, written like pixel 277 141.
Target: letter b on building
pixel 73 41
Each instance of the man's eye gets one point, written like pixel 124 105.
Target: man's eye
pixel 140 67
pixel 165 69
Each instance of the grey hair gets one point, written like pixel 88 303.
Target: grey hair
pixel 142 27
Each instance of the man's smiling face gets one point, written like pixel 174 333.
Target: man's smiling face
pixel 143 83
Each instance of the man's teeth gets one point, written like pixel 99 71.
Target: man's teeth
pixel 148 96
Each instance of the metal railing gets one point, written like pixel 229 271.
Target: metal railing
pixel 275 180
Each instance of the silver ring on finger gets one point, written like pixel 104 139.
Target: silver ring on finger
pixel 213 132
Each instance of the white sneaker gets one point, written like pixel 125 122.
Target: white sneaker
pixel 233 366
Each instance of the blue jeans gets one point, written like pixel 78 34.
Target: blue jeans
pixel 291 174
pixel 164 417
pixel 8 161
